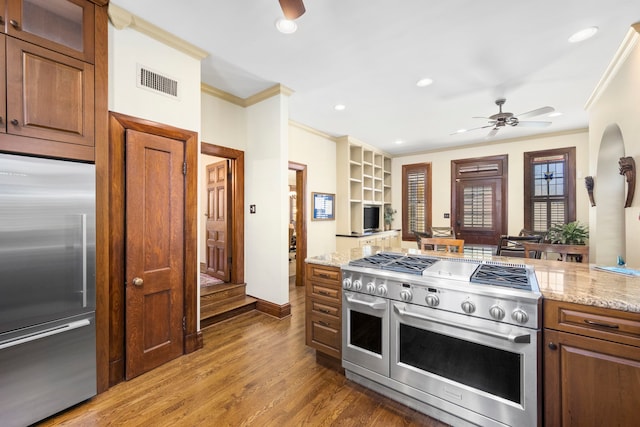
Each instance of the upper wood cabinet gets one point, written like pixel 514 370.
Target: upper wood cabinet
pixel 65 26
pixel 51 94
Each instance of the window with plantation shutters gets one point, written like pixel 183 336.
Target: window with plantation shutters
pixel 416 199
pixel 549 188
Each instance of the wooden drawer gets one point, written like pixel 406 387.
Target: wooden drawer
pixel 612 325
pixel 325 334
pixel 323 272
pixel 321 290
pixel 321 307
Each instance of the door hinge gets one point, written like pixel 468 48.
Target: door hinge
pixel 184 323
pixel 184 168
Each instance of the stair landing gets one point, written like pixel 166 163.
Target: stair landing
pixel 220 302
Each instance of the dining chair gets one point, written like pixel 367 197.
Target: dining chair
pixel 512 245
pixel 578 253
pixel 419 236
pixel 447 243
pixel 442 232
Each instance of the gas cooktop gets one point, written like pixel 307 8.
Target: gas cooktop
pixel 473 271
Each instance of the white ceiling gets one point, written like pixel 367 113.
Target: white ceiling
pixel 368 55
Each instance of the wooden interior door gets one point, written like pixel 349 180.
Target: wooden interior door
pixel 218 220
pixel 479 199
pixel 154 248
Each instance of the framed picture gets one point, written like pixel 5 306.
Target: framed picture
pixel 323 206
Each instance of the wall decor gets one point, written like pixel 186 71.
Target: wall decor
pixel 588 182
pixel 628 169
pixel 323 206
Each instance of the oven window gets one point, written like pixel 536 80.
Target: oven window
pixel 485 368
pixel 365 331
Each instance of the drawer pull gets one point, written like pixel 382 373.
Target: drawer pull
pixel 323 323
pixel 324 310
pixel 324 276
pixel 324 293
pixel 601 324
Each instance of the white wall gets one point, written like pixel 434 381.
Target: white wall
pixel 515 149
pixel 127 48
pixel 223 123
pixel 617 104
pixel 266 187
pixel 319 154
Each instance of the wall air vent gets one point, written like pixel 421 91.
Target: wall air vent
pixel 156 82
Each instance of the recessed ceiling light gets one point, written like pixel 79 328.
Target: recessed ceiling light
pixel 286 26
pixel 555 114
pixel 424 82
pixel 339 107
pixel 399 141
pixel 583 35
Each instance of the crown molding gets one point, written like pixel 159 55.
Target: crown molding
pixel 628 44
pixel 225 96
pixel 121 19
pixel 275 90
pixel 313 131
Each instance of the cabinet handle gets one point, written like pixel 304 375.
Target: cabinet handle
pixel 324 276
pixel 324 293
pixel 1 20
pixel 15 122
pixel 601 324
pixel 323 323
pixel 15 24
pixel 552 346
pixel 324 310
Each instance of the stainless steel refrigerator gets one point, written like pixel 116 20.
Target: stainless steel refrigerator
pixel 47 287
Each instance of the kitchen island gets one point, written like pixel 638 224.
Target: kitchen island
pixel 590 336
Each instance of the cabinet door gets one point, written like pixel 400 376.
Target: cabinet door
pixel 66 26
pixel 590 382
pixel 49 96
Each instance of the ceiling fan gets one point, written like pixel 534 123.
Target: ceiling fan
pixel 292 9
pixel 502 119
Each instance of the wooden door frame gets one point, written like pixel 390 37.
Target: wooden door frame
pixel 115 177
pixel 237 205
pixel 503 173
pixel 301 219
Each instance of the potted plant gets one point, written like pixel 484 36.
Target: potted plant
pixel 389 212
pixel 572 233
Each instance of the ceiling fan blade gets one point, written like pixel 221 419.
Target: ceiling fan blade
pixel 536 112
pixel 292 9
pixel 469 130
pixel 534 124
pixel 493 132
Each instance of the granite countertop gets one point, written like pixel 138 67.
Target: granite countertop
pixel 560 281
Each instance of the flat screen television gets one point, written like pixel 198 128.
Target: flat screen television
pixel 371 219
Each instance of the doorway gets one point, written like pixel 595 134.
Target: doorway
pixel 144 151
pixel 300 226
pixel 479 199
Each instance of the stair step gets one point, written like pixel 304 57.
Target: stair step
pixel 220 292
pixel 218 311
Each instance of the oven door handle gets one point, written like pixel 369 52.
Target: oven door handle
pixel 519 338
pixel 380 305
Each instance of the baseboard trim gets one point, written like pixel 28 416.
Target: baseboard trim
pixel 193 342
pixel 275 310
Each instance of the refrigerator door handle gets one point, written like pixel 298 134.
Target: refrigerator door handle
pixel 84 259
pixel 46 333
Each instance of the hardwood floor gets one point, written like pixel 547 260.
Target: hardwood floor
pixel 254 370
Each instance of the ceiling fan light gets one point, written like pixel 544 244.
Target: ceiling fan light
pixel 286 26
pixel 583 35
pixel 555 114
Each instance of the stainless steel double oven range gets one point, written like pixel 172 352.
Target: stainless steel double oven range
pixel 454 338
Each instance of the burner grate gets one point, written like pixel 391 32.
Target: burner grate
pixel 375 261
pixel 501 275
pixel 410 264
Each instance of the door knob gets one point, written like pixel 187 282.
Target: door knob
pixel 137 281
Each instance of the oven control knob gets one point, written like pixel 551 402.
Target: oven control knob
pixel 382 290
pixel 357 285
pixel 496 312
pixel 519 316
pixel 432 300
pixel 346 283
pixel 406 295
pixel 468 307
pixel 371 288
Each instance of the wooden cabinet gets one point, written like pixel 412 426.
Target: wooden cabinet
pixel 591 366
pixel 363 176
pixel 48 89
pixel 323 310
